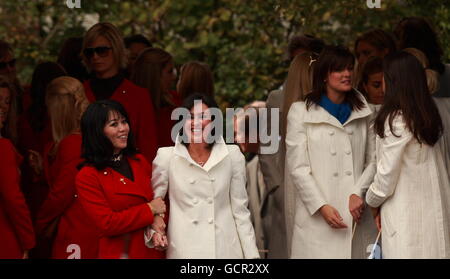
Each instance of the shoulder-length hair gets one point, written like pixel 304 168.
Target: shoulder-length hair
pixel 113 35
pixel 298 83
pixel 432 75
pixel 147 71
pixel 195 77
pixel 66 102
pixel 96 149
pixel 42 76
pixel 190 101
pixel 332 59
pixel 9 130
pixel 406 93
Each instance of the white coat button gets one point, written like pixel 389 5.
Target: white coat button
pixel 333 153
pixel 213 179
pixel 210 201
pixel 195 222
pixel 192 181
pixel 348 173
pixel 194 200
pixel 348 152
pixel 331 133
pixel 350 132
pixel 210 220
pixel 335 174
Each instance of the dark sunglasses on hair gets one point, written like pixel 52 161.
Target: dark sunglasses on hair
pixel 10 63
pixel 101 51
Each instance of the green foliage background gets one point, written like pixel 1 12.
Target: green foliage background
pixel 244 41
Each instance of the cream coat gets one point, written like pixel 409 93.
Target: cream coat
pixel 327 162
pixel 412 188
pixel 209 217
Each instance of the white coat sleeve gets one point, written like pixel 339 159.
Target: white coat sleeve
pixel 239 203
pixel 370 162
pixel 297 160
pixel 160 172
pixel 391 152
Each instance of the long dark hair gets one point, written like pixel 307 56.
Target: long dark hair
pixel 332 59
pixel 416 32
pixel 42 76
pixel 406 92
pixel 96 149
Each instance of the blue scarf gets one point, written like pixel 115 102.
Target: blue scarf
pixel 340 111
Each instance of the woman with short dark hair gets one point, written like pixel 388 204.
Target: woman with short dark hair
pixel 411 184
pixel 114 184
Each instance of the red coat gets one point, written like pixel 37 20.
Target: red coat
pixel 139 107
pixel 118 206
pixel 16 229
pixel 74 227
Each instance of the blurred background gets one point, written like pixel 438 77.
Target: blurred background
pixel 244 42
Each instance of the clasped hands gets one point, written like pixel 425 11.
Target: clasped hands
pixel 159 237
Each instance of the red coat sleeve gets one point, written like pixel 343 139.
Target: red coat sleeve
pixel 109 222
pixel 12 198
pixel 146 132
pixel 62 190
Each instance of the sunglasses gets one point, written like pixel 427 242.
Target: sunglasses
pixel 10 63
pixel 101 51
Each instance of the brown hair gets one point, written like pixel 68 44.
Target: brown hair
pixel 66 102
pixel 407 94
pixel 195 77
pixel 332 59
pixel 10 129
pixel 113 35
pixel 5 48
pixel 373 65
pixel 147 73
pixel 378 38
pixel 432 75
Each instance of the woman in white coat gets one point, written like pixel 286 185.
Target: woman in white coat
pixel 205 181
pixel 328 155
pixel 411 184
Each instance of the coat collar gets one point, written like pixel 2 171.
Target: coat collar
pixel 218 153
pixel 317 114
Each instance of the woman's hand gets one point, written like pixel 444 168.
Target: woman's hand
pixel 332 217
pixel 356 207
pixel 158 225
pixel 157 206
pixel 376 215
pixel 35 160
pixel 160 241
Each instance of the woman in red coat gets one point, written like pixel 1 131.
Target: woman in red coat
pixel 76 236
pixel 105 57
pixel 114 184
pixel 16 229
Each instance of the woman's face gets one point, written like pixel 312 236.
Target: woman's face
pixel 364 51
pixel 5 104
pixel 116 130
pixel 103 64
pixel 196 127
pixel 340 81
pixel 374 88
pixel 168 77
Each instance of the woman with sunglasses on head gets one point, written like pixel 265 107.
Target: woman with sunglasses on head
pixel 410 195
pixel 61 217
pixel 114 183
pixel 104 54
pixel 16 229
pixel 328 158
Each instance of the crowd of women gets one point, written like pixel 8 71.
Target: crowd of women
pixel 89 168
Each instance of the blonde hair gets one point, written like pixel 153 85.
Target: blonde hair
pixel 66 102
pixel 147 71
pixel 432 75
pixel 113 35
pixel 10 128
pixel 298 83
pixel 196 77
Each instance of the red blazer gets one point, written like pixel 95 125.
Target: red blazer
pixel 75 227
pixel 16 229
pixel 118 206
pixel 139 107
